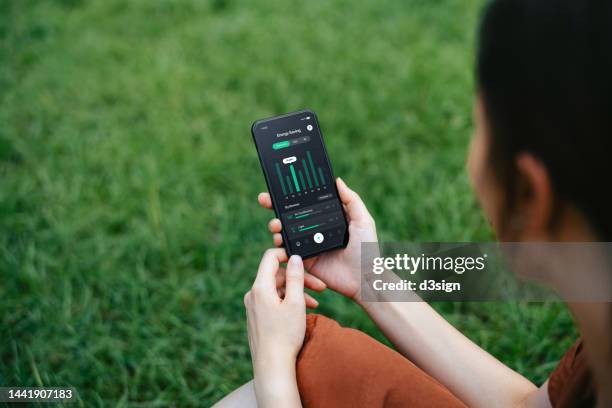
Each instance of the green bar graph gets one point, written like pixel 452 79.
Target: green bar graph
pixel 280 177
pixel 314 174
pixel 302 179
pixel 295 180
pixel 307 173
pixel 289 184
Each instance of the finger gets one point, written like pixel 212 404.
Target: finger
pixel 355 207
pixel 310 281
pixel 294 279
pixel 264 200
pixel 348 216
pixel 309 263
pixel 310 302
pixel 314 283
pixel 268 268
pixel 278 240
pixel 275 225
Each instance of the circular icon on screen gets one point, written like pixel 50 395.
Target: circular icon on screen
pixel 309 127
pixel 318 237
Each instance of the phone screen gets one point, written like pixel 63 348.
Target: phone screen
pixel 301 183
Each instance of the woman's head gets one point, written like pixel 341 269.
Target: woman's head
pixel 541 155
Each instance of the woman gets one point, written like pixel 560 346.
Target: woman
pixel 543 130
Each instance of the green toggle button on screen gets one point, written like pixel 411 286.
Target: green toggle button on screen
pixel 281 145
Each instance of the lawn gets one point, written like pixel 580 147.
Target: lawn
pixel 129 226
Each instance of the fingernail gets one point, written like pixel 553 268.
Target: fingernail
pixel 295 260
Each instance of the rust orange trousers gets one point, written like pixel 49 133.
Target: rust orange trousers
pixel 341 367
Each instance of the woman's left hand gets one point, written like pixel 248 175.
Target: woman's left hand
pixel 276 329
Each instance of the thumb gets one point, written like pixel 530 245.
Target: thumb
pixel 355 207
pixel 294 276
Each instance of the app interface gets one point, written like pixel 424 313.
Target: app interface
pixel 301 182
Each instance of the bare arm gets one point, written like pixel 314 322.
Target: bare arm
pixel 276 328
pixel 417 330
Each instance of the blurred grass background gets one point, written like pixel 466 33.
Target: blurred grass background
pixel 129 227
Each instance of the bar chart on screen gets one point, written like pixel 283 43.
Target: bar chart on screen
pixel 300 175
pixel 301 183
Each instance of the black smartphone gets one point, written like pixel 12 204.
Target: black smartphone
pixel 301 183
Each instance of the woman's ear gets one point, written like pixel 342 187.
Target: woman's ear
pixel 535 199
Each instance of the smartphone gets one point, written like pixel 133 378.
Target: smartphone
pixel 301 183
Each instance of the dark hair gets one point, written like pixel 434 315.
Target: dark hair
pixel 544 72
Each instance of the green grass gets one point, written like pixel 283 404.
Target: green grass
pixel 129 228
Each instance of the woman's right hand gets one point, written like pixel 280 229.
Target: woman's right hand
pixel 339 269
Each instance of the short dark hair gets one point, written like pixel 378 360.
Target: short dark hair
pixel 544 72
